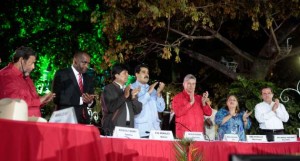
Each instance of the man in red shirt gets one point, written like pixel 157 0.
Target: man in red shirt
pixel 16 83
pixel 190 108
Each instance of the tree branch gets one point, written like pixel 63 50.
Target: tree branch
pixel 190 36
pixel 230 44
pixel 210 62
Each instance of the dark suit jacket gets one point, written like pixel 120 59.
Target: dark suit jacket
pixel 114 108
pixel 68 93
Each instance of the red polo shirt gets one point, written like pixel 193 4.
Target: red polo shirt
pixel 14 85
pixel 189 117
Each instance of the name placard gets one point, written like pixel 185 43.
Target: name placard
pixel 285 138
pixel 231 137
pixel 125 132
pixel 256 138
pixel 161 135
pixel 66 115
pixel 196 136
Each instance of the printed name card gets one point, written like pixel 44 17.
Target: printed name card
pixel 231 137
pixel 256 138
pixel 196 136
pixel 285 138
pixel 125 132
pixel 161 135
pixel 66 115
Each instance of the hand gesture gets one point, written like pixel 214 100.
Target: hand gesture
pixel 246 115
pixel 134 92
pixel 47 98
pixel 208 102
pixel 276 105
pixel 127 91
pixel 160 88
pixel 204 98
pixel 87 98
pixel 151 88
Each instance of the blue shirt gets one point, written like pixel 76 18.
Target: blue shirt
pixel 234 125
pixel 148 119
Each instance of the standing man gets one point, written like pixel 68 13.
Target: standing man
pixel 190 108
pixel 152 101
pixel 74 88
pixel 15 81
pixel 270 115
pixel 119 103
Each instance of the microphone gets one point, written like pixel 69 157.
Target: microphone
pixel 24 76
pixel 206 136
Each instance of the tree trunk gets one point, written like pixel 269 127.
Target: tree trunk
pixel 260 69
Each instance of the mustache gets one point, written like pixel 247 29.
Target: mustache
pixel 146 77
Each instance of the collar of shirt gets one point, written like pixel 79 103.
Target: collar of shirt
pixel 121 87
pixel 15 70
pixel 76 73
pixel 143 86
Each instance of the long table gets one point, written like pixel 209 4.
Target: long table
pixel 149 150
pixel 27 141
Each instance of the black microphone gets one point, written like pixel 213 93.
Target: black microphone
pixel 206 136
pixel 24 76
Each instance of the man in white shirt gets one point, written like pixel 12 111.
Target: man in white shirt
pixel 270 115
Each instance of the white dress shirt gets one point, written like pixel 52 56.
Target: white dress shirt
pixel 269 119
pixel 127 110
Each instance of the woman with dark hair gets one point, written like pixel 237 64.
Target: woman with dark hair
pixel 231 120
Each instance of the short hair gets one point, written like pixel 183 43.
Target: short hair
pixel 266 88
pixel 79 54
pixel 23 52
pixel 188 77
pixel 117 69
pixel 137 69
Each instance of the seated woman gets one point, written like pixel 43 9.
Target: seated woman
pixel 231 120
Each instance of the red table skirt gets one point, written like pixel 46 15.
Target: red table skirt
pixel 148 150
pixel 27 141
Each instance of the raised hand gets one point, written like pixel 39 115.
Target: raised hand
pixel 135 91
pixel 192 98
pixel 127 91
pixel 276 105
pixel 246 115
pixel 205 98
pixel 151 87
pixel 160 88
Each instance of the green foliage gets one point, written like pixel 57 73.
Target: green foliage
pixel 249 94
pixel 55 30
pixel 185 151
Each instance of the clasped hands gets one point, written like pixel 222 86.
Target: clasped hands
pixel 133 93
pixel 88 98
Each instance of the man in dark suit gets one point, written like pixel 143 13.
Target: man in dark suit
pixel 74 88
pixel 119 103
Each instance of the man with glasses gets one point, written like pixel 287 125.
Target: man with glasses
pixel 74 88
pixel 270 115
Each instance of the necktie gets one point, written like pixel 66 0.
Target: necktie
pixel 80 83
